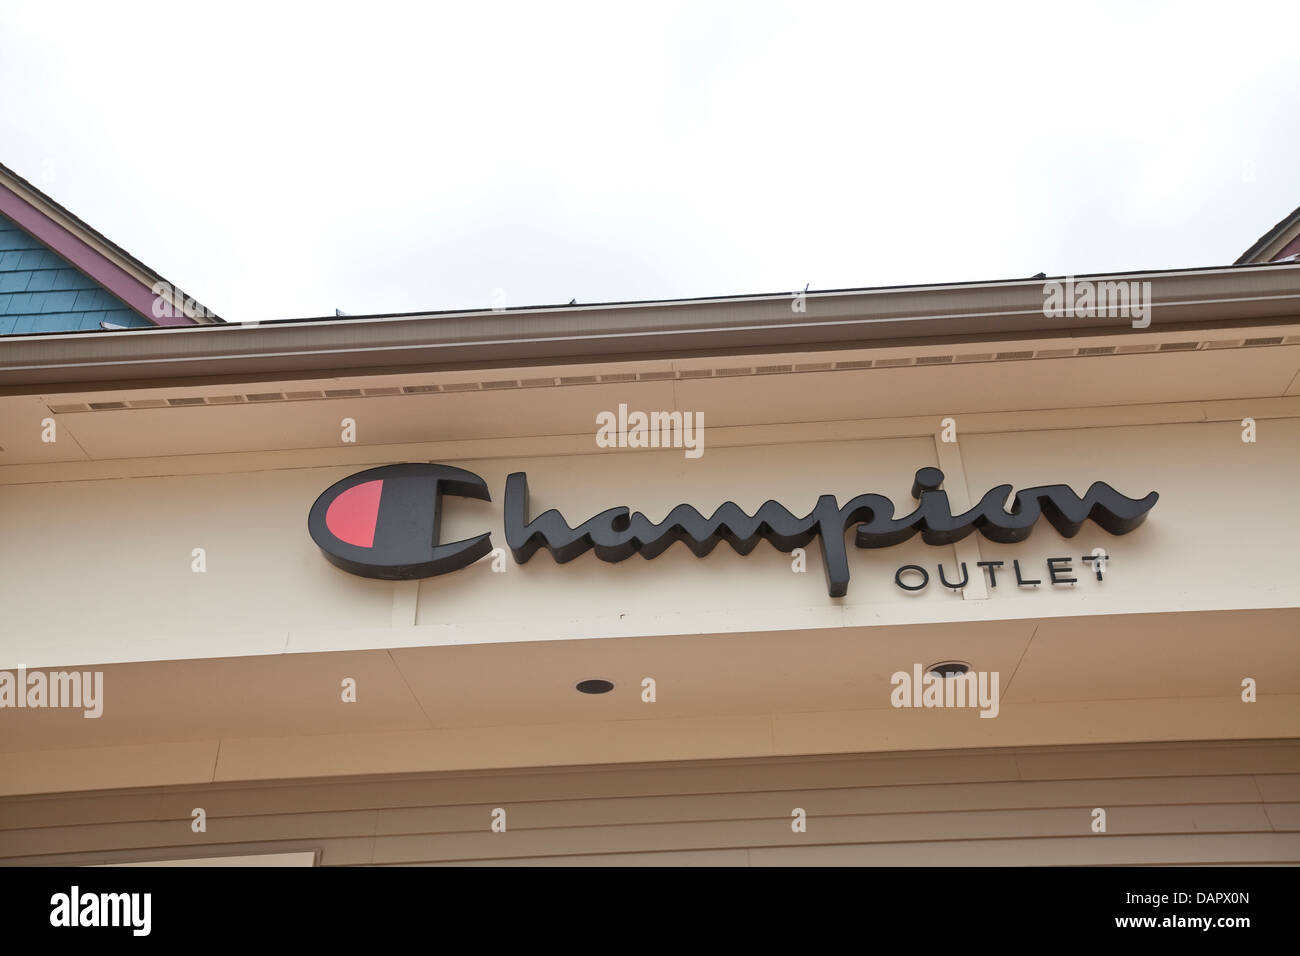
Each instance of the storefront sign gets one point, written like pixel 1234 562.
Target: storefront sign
pixel 383 523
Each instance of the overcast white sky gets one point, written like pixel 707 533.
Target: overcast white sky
pixel 279 161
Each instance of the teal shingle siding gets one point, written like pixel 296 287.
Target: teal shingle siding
pixel 42 292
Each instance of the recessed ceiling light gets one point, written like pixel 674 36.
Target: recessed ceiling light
pixel 595 686
pixel 948 669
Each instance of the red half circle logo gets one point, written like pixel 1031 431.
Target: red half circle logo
pixel 352 516
pixel 383 522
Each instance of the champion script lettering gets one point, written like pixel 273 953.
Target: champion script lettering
pixel 383 523
pixel 615 534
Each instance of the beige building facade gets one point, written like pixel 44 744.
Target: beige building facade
pixel 156 484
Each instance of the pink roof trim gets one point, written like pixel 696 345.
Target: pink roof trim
pixel 85 257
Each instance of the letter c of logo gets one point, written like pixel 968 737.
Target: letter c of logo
pixel 383 522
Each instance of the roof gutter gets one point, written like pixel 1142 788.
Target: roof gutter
pixel 1232 297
